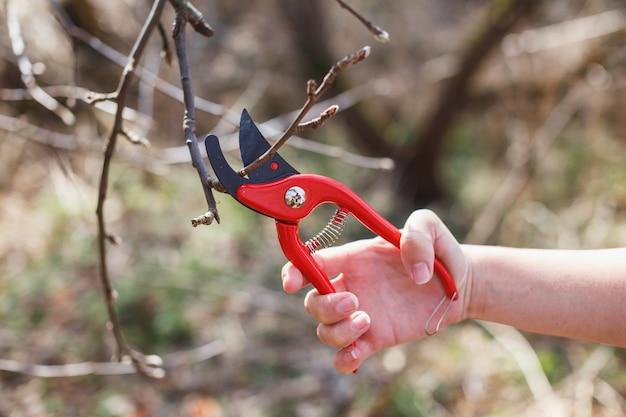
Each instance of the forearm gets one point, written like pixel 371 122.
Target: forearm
pixel 578 294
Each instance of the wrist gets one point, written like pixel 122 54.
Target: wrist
pixel 470 293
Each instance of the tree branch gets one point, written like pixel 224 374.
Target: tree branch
pixel 120 94
pixel 118 58
pixel 170 361
pixel 186 13
pixel 314 93
pixel 26 70
pixel 178 155
pixel 380 34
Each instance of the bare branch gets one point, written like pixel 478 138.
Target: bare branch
pixel 319 120
pixel 380 34
pixel 314 93
pixel 168 362
pixel 118 58
pixel 26 70
pixel 38 134
pixel 120 98
pixel 134 138
pixel 275 127
pixel 341 66
pixel 180 154
pixel 166 52
pixel 92 97
pixel 189 14
pixel 186 13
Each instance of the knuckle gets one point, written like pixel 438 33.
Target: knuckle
pixel 309 302
pixel 332 336
pixel 323 335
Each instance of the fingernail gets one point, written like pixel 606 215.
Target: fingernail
pixel 360 321
pixel 351 355
pixel 348 304
pixel 420 273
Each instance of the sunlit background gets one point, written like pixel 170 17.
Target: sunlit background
pixel 506 118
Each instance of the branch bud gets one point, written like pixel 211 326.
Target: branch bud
pixel 154 361
pixel 362 53
pixel 311 86
pixel 330 112
pixel 380 35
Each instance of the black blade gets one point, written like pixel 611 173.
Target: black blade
pixel 230 179
pixel 252 144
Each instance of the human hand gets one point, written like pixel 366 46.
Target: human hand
pixel 384 295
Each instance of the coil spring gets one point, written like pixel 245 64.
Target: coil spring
pixel 330 233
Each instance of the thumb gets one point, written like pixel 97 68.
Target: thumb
pixel 417 245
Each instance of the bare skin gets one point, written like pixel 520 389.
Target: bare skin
pixel 385 296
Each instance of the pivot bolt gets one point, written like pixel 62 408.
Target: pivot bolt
pixel 295 197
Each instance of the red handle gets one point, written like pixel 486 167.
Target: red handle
pixel 299 254
pixel 446 279
pixel 267 199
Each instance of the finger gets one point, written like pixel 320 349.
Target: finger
pixel 292 278
pixel 336 259
pixel 345 332
pixel 423 234
pixel 350 358
pixel 330 308
pixel 331 260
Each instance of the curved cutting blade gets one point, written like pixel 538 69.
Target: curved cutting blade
pixel 252 144
pixel 230 179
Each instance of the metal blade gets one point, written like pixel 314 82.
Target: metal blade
pixel 252 144
pixel 230 179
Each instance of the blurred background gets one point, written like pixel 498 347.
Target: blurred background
pixel 506 118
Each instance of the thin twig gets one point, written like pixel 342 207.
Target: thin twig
pixel 314 93
pixel 38 134
pixel 180 154
pixel 380 34
pixel 71 142
pixel 166 51
pixel 170 361
pixel 193 16
pixel 120 97
pixel 134 138
pixel 26 69
pixel 118 58
pixel 186 13
pixel 318 121
pixel 199 103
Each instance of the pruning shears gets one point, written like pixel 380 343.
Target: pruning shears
pixel 275 189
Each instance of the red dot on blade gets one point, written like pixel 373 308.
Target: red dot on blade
pixel 274 166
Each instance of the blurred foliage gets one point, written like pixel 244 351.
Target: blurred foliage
pixel 180 287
